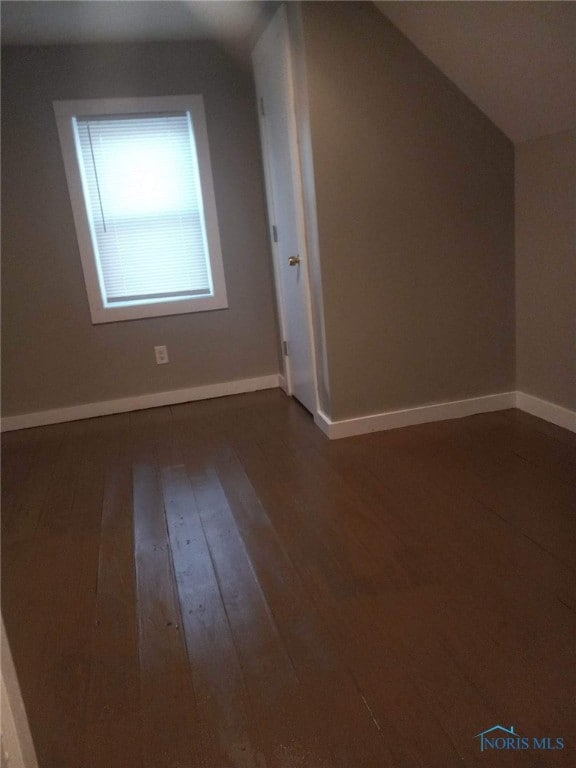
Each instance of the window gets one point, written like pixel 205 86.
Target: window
pixel 140 183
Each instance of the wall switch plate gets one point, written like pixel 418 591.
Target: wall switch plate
pixel 161 354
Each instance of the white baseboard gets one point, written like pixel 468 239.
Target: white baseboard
pixel 137 403
pixel 17 744
pixel 378 422
pixel 282 383
pixel 556 414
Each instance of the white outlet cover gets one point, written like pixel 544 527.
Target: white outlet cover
pixel 161 354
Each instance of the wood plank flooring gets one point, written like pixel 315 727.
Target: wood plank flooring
pixel 217 585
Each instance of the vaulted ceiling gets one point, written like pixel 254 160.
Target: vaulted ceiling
pixel 43 22
pixel 515 60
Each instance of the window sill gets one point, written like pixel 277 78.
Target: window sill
pixel 156 309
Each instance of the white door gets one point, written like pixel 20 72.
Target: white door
pixel 272 68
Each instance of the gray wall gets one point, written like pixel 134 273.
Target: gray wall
pixel 546 268
pixel 415 196
pixel 52 355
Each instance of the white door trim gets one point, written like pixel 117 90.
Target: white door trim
pixel 279 24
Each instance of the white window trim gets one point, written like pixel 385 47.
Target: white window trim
pixel 65 112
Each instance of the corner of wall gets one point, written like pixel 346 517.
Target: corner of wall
pixel 306 162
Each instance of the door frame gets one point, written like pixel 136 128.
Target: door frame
pixel 279 23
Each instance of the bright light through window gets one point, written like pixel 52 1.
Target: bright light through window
pixel 145 176
pixel 148 208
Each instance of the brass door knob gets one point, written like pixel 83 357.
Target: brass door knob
pixel 293 260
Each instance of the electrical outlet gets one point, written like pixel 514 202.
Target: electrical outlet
pixel 161 354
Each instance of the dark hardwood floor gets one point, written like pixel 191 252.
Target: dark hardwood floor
pixel 216 584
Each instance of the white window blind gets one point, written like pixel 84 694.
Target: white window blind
pixel 143 196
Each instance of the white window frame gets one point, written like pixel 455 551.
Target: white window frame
pixel 66 112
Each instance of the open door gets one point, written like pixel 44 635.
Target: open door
pixel 273 75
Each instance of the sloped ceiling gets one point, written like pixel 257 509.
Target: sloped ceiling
pixel 43 22
pixel 515 60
